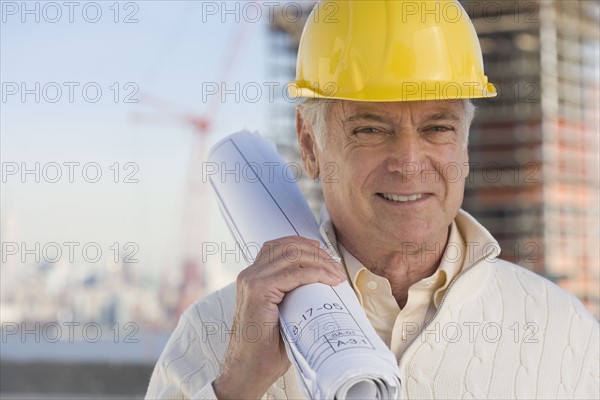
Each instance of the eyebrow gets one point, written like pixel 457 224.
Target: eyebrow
pixel 439 116
pixel 443 115
pixel 363 116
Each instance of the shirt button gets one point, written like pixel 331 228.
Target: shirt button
pixel 372 285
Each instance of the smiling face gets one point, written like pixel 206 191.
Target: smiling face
pixel 392 173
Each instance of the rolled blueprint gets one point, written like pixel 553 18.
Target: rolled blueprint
pixel 329 340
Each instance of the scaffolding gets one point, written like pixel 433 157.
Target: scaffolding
pixel 284 39
pixel 534 148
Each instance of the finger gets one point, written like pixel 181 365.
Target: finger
pixel 297 275
pixel 328 272
pixel 294 250
pixel 272 282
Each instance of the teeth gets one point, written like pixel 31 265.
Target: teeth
pixel 395 197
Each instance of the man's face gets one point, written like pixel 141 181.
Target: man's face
pixel 393 172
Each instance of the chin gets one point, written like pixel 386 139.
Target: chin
pixel 412 227
pixel 397 233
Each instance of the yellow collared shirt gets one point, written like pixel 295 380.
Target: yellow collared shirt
pixel 399 327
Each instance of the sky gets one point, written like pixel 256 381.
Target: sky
pixel 110 169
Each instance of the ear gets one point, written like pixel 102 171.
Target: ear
pixel 308 146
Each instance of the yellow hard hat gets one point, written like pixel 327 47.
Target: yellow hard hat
pixel 390 50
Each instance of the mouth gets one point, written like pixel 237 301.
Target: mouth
pixel 398 198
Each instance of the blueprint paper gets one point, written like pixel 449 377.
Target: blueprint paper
pixel 329 340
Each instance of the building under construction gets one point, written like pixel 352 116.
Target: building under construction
pixel 534 163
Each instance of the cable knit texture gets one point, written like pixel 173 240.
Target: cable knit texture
pixel 501 332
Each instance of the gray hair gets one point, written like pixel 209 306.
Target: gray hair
pixel 314 112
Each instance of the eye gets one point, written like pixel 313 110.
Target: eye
pixel 370 135
pixel 439 128
pixel 370 131
pixel 367 130
pixel 440 134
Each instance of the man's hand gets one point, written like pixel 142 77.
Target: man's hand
pixel 252 366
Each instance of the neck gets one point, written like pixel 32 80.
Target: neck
pixel 402 265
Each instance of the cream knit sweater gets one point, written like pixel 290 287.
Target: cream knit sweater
pixel 501 332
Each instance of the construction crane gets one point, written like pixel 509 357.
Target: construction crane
pixel 192 280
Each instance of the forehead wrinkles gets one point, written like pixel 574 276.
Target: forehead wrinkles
pixel 409 113
pixel 382 112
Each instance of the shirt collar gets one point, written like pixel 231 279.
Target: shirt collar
pixel 353 265
pixel 451 264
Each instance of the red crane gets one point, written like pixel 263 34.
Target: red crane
pixel 192 282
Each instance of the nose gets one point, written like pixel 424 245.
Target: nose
pixel 404 153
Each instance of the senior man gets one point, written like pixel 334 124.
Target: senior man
pixel 389 88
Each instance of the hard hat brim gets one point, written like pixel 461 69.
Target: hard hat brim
pixel 410 91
